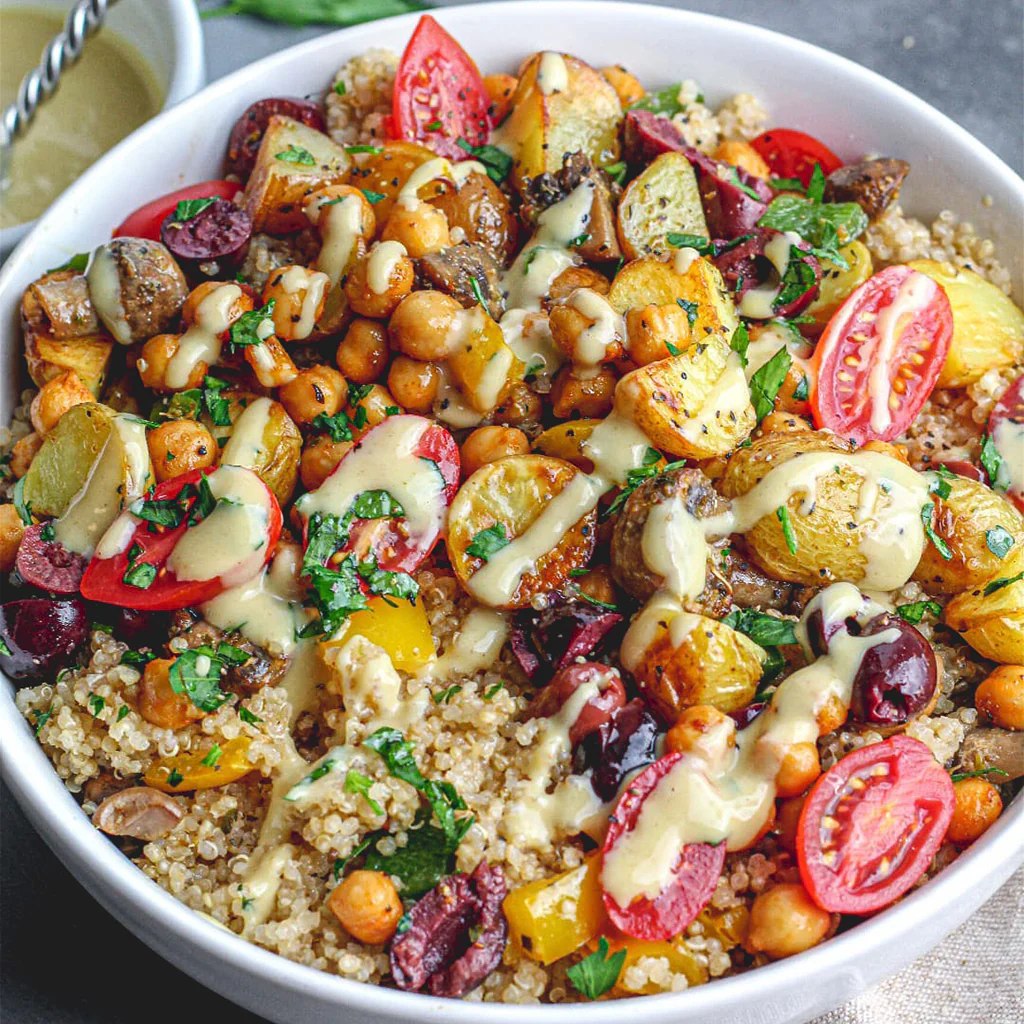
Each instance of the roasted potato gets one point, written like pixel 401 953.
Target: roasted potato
pixel 48 358
pixel 579 114
pixel 481 363
pixel 694 405
pixel 988 328
pixel 386 173
pixel 976 524
pixel 483 213
pixel 836 284
pixel 564 440
pixel 294 161
pixel 990 617
pixel 663 199
pixel 266 440
pixel 511 494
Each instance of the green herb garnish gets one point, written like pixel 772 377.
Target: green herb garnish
pixel 357 782
pixel 595 975
pixel 765 383
pixel 999 540
pixel 189 208
pixel 916 611
pixel 488 542
pixel 296 155
pixel 495 161
pixel 782 514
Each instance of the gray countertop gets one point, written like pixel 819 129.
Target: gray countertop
pixel 64 960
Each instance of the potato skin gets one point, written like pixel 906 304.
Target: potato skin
pixel 993 623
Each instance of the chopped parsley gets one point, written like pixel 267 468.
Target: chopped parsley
pixel 175 778
pixel 96 704
pixel 445 695
pixel 248 717
pixel 340 90
pixel 595 975
pixel 213 755
pixel 803 389
pixel 254 327
pixel 825 226
pixel 358 783
pixel 635 477
pixel 47 533
pixel 782 514
pixel 617 171
pixel 123 712
pixel 916 611
pixel 940 485
pixel 787 184
pixel 740 342
pixel 663 101
pixel 141 575
pixel 488 542
pixel 733 177
pixel 1003 581
pixel 296 155
pixel 492 691
pixel 478 294
pixel 999 540
pixel 673 350
pixel 373 198
pixel 765 383
pixel 495 161
pixel 197 672
pixel 689 308
pixel 78 263
pixel 374 150
pixel 991 461
pixel 387 583
pixel 432 126
pixel 765 630
pixel 189 208
pixel 927 517
pixel 41 718
pixel 338 426
pixel 420 864
pixel 21 506
pixel 979 774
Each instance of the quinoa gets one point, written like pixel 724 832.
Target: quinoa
pixel 355 114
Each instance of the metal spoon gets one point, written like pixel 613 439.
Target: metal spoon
pixel 40 83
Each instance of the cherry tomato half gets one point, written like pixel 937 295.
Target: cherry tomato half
pixel 694 876
pixel 145 222
pixel 1005 423
pixel 871 825
pixel 152 544
pixel 880 355
pixel 439 95
pixel 793 154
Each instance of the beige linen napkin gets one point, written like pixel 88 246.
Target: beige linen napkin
pixel 975 976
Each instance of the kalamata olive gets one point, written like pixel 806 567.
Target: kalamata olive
pixel 219 232
pixel 546 641
pixel 896 679
pixel 133 627
pixel 596 711
pixel 47 564
pixel 620 745
pixel 247 134
pixel 40 635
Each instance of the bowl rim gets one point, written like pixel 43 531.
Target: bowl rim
pixel 72 836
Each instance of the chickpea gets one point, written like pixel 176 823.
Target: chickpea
pixel 11 531
pixel 363 352
pixel 242 304
pixel 649 328
pixel 23 452
pixel 577 277
pixel 488 444
pixel 290 288
pixel 521 405
pixel 414 384
pixel 319 459
pixel 693 726
pixel 785 920
pixel 568 324
pixel 598 584
pixel 831 715
pixel 322 201
pixel 977 805
pixel 364 299
pixel 378 404
pixel 270 362
pixel 894 451
pixel 582 397
pixel 800 767
pixel 180 446
pixel 422 229
pixel 421 325
pixel 787 820
pixel 626 85
pixel 367 905
pixel 742 154
pixel 158 703
pixel 55 397
pixel 154 359
pixel 315 390
pixel 1000 697
pixel 500 89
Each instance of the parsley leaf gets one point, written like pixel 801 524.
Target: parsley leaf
pixel 803 390
pixel 357 782
pixel 940 485
pixel 999 540
pixel 376 505
pixel 387 583
pixel 916 611
pixel 445 695
pixel 21 506
pixel 740 342
pixel 787 184
pixel 197 673
pixel 1003 581
pixel 296 155
pixel 373 198
pixel 216 405
pixel 782 514
pixel 764 630
pixel 96 704
pixel 595 975
pixel 765 383
pixel 495 161
pixel 420 864
pixel 488 542
pixel 141 575
pixel 616 171
pixel 689 308
pixel 248 717
pixel 979 774
pixel 663 101
pixel 816 186
pixel 78 263
pixel 338 426
pixel 254 327
pixel 213 755
pixel 826 226
pixel 635 477
pixel 682 240
pixel 992 462
pixel 189 208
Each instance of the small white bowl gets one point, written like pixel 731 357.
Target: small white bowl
pixel 169 37
pixel 855 111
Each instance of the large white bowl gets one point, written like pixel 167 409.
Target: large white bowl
pixel 852 109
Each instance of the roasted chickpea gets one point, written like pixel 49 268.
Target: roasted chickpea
pixel 500 89
pixel 785 920
pixel 783 423
pixel 977 805
pixel 363 352
pixel 787 820
pixel 320 204
pixel 414 384
pixel 154 359
pixel 521 405
pixel 11 531
pixel 189 311
pixel 319 459
pixel 742 154
pixel 377 404
pixel 598 584
pixel 488 444
pixel 577 277
pixel 55 397
pixel 180 446
pixel 627 86
pixel 378 283
pixel 315 390
pixel 1001 697
pixel 421 326
pixel 421 229
pixel 270 362
pixel 649 328
pixel 800 767
pixel 568 325
pixel 23 452
pixel 299 296
pixel 582 397
pixel 693 726
pixel 158 703
pixel 831 715
pixel 367 905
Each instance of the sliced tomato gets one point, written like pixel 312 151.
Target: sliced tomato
pixel 694 875
pixel 880 355
pixel 871 825
pixel 439 95
pixel 152 544
pixel 1006 428
pixel 145 222
pixel 793 154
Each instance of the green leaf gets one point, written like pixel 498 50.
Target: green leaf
pixel 787 184
pixel 373 198
pixel 682 240
pixel 740 342
pixel 41 718
pixel 445 695
pixel 992 462
pixel 816 186
pixel 478 294
pixel 189 208
pixel 254 327
pixel 733 177
pixel 616 171
pixel 141 575
pixel 175 778
pixel 916 611
pixel 336 592
pixel 635 477
pixel 77 263
pixel 232 655
pixel 96 704
pixel 492 691
pixel 689 308
pixel 765 383
pixel 663 101
pixel 340 90
pixel 803 390
pixel 927 517
pixel 159 511
pixel 387 583
pixel 204 504
pixel 296 155
pixel 765 630
pixel 363 149
pixel 341 863
pixel 21 506
pixel 826 226
pixel 376 505
pixel 122 712
pixel 940 483
pixel 357 782
pixel 213 755
pixel 673 350
pixel 216 405
pixel 1003 581
pixel 782 514
pixel 248 717
pixel 137 657
pixel 338 426
pixel 595 975
pixel 196 673
pixel 420 864
pixel 999 540
pixel 979 774
pixel 488 542
pixel 496 162
pixel 798 278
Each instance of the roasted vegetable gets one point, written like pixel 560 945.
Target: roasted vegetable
pixel 197 770
pixel 564 441
pixel 481 362
pixel 386 172
pixel 990 617
pixel 398 627
pixel 483 213
pixel 874 185
pixel 264 439
pixel 836 283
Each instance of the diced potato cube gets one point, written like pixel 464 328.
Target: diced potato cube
pixel 48 358
pixel 481 362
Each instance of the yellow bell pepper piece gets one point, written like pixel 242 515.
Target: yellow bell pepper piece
pixel 837 284
pixel 483 364
pixel 553 917
pixel 563 440
pixel 399 627
pixel 184 772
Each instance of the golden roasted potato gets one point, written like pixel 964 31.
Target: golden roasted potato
pixel 976 524
pixel 837 284
pixel 293 161
pixel 990 617
pixel 663 199
pixel 499 503
pixel 564 440
pixel 481 362
pixel 48 358
pixel 695 405
pixel 266 440
pixel 988 328
pixel 561 105
pixel 386 173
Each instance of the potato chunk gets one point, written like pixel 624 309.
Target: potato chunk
pixel 990 617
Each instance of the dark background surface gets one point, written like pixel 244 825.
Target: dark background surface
pixel 63 959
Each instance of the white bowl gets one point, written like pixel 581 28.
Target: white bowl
pixel 854 111
pixel 168 35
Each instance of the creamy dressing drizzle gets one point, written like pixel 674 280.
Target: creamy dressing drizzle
pixel 381 263
pixel 727 399
pixel 246 446
pixel 607 328
pixel 528 334
pixel 553 73
pixel 201 343
pixel 340 230
pixel 758 303
pixel 314 284
pixel 1008 437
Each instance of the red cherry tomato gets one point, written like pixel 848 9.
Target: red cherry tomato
pixel 880 355
pixel 793 154
pixel 152 544
pixel 439 95
pixel 145 222
pixel 694 876
pixel 871 825
pixel 1005 420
